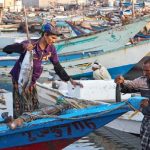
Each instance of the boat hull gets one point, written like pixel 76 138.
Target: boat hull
pixel 122 61
pixel 52 145
pixel 73 125
pixel 64 132
pixel 67 127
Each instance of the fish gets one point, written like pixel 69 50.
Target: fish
pixel 26 71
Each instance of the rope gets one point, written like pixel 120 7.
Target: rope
pixel 34 117
pixel 131 107
pixel 136 111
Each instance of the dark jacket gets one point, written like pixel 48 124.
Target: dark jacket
pixel 38 55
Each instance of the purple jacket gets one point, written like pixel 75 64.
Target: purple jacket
pixel 38 55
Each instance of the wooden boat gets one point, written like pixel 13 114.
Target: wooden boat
pixel 8 30
pixel 56 132
pixel 49 91
pixel 95 91
pixel 6 103
pixel 8 61
pixel 80 64
pixel 121 64
pixel 115 37
pixel 9 27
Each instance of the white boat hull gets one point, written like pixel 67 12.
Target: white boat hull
pixel 122 59
pixel 94 90
pixel 105 41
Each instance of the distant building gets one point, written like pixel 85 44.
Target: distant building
pixel 36 3
pixel 9 4
pixel 1 3
pixel 72 1
pixel 47 3
pixel 12 5
pixel 1 8
pixel 18 5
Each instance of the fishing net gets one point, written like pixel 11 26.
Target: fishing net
pixel 24 102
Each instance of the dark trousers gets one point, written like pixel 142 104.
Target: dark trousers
pixel 145 133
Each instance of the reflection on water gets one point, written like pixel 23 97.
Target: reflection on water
pixel 107 139
pixel 84 144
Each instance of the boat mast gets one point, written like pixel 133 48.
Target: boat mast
pixel 133 10
pixel 1 12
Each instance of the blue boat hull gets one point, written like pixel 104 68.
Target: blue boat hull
pixel 114 72
pixel 69 127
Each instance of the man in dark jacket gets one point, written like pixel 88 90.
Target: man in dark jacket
pixel 43 49
pixel 142 85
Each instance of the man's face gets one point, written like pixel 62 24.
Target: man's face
pixel 93 68
pixel 146 70
pixel 50 39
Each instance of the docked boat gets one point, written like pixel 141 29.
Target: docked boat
pixel 79 65
pixel 39 131
pixel 9 27
pixel 122 61
pixel 94 91
pixel 6 102
pixel 115 37
pixel 8 61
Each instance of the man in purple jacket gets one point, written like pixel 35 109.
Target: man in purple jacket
pixel 43 49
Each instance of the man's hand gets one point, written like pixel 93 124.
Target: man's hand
pixel 29 88
pixel 75 83
pixel 119 80
pixel 144 103
pixel 29 47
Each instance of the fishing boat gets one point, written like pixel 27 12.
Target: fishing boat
pixel 56 132
pixel 6 102
pixel 94 91
pixel 9 27
pixel 79 65
pixel 8 61
pixel 122 61
pixel 49 91
pixel 11 38
pixel 115 37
